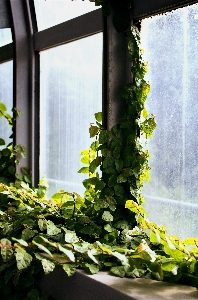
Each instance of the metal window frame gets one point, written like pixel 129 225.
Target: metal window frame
pixel 6 53
pixel 69 31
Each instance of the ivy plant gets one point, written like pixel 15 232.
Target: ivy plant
pixel 105 229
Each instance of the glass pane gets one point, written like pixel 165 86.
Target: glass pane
pixel 170 42
pixel 6 96
pixel 53 12
pixel 5 36
pixel 71 92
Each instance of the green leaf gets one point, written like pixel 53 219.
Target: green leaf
pixel 6 152
pixel 112 180
pixel 121 257
pixel 52 229
pixel 94 146
pixel 69 269
pixel 41 247
pixel 28 179
pixel 108 228
pixel 93 131
pixel 85 160
pixel 25 171
pixel 191 241
pixel 104 136
pixel 20 241
pixel 23 259
pixel 145 252
pixel 98 116
pixel 6 250
pixel 155 237
pixel 170 266
pixel 33 294
pixel 2 142
pixel 90 254
pixel 116 130
pixel 48 266
pixel 107 216
pixel 92 268
pixel 2 109
pixel 42 224
pixel 145 113
pixel 119 164
pixel 67 252
pixel 11 170
pixel 70 237
pixel 27 234
pixel 94 164
pixel 121 179
pixel 127 172
pixel 41 191
pixel 84 170
pixel 118 271
pixel 119 190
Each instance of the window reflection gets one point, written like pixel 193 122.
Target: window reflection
pixel 71 92
pixel 170 42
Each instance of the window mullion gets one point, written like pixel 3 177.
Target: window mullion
pixel 24 61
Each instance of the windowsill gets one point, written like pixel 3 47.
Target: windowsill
pixel 103 286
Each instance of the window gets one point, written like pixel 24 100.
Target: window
pixel 171 41
pixel 6 96
pixel 53 12
pixel 6 81
pixel 71 92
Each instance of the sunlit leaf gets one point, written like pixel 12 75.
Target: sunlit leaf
pixel 92 268
pixel 98 116
pixel 70 269
pixel 93 131
pixel 52 229
pixel 107 216
pixel 67 252
pixel 48 266
pixel 23 259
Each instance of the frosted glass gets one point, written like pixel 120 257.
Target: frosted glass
pixel 170 42
pixel 6 96
pixel 5 36
pixel 71 92
pixel 53 12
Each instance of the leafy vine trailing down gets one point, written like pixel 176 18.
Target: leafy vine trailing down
pixel 107 229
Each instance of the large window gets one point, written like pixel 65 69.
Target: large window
pixel 71 92
pixel 170 42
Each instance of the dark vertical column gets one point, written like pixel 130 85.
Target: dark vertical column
pixel 24 66
pixel 117 68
